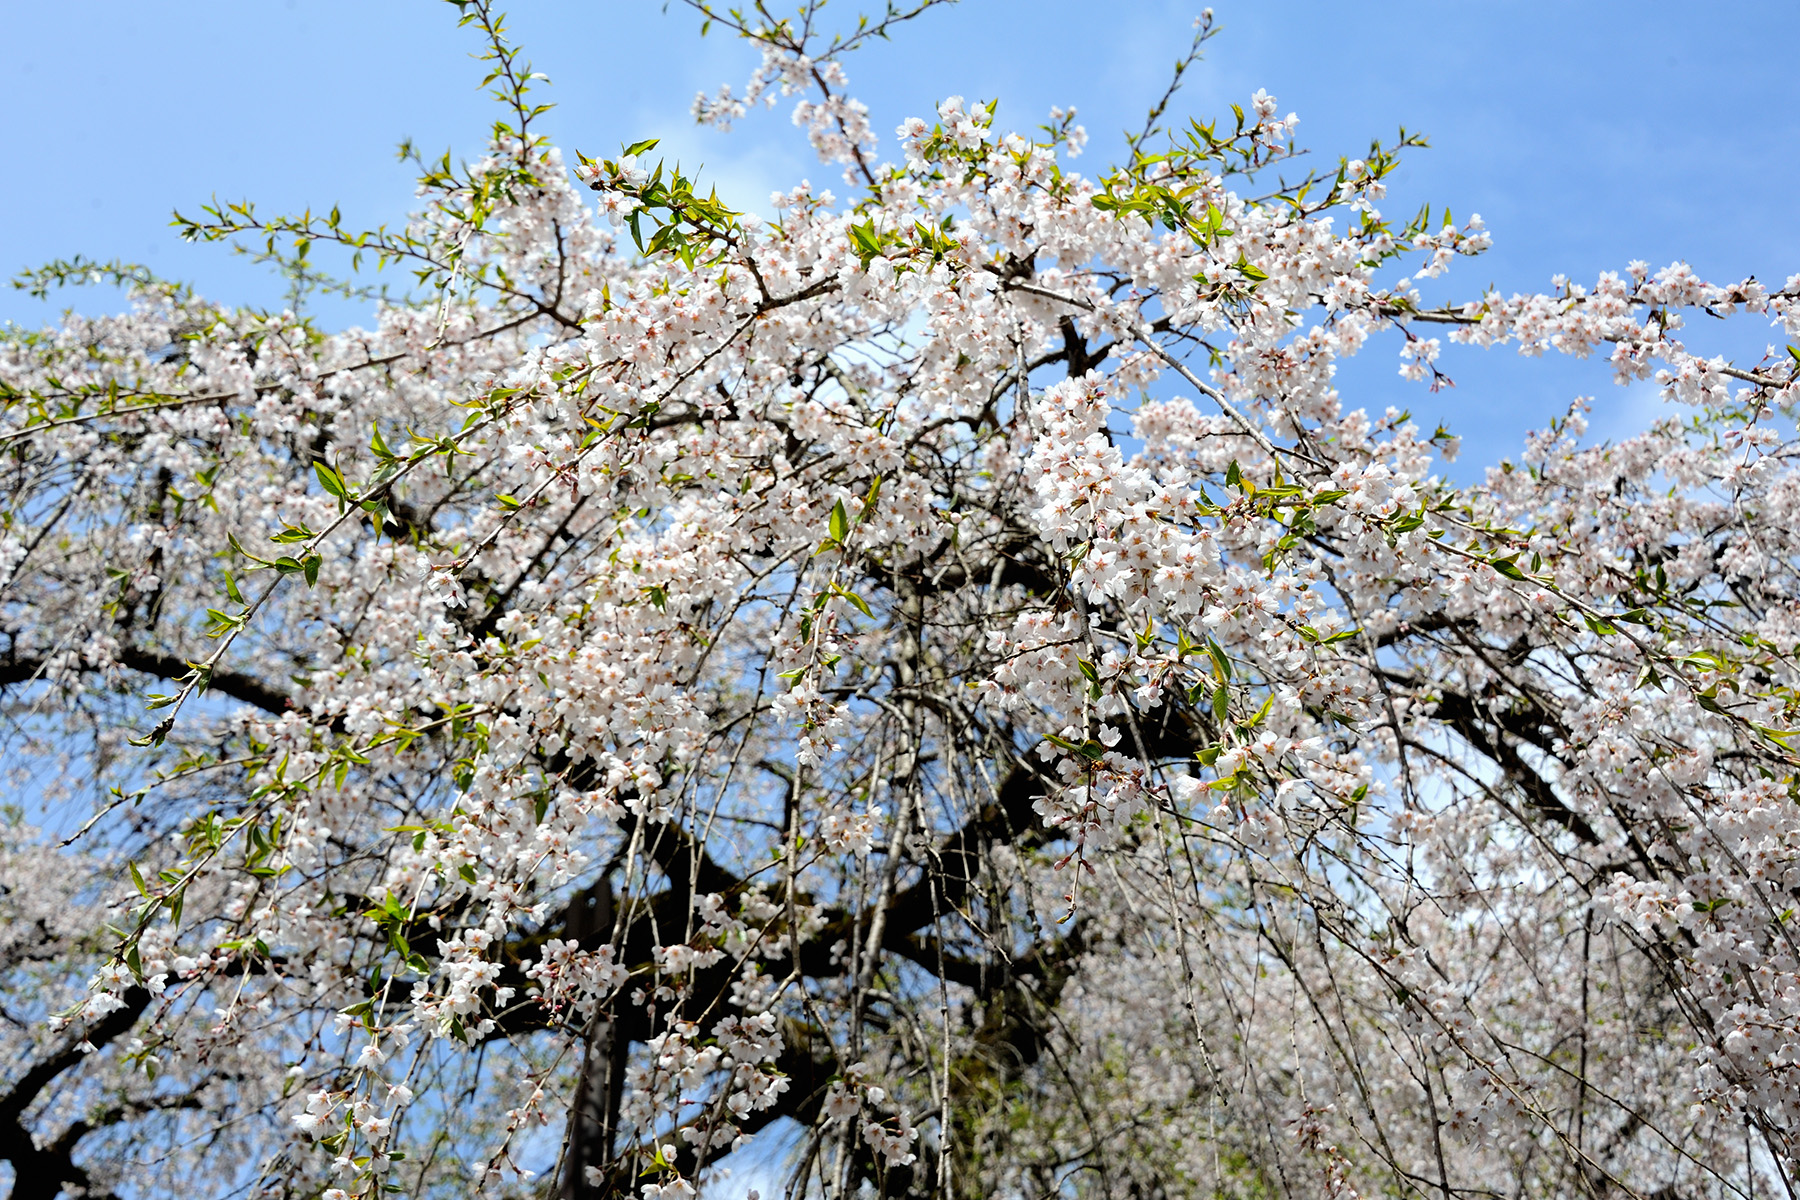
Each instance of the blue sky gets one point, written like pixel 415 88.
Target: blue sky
pixel 1586 134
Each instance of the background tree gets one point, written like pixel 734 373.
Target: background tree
pixel 944 669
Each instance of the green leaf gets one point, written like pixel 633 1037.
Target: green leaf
pixel 379 447
pixel 840 522
pixel 292 533
pixel 1261 713
pixel 1779 736
pixel 330 480
pixel 1507 566
pixel 867 241
pixel 1600 626
pixel 853 598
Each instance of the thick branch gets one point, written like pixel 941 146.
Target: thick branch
pixel 39 1173
pixel 17 669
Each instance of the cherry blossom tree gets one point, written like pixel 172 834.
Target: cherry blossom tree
pixel 942 673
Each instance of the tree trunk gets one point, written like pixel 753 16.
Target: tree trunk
pixel 594 1114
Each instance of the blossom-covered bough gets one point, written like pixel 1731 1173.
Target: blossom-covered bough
pixel 942 673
